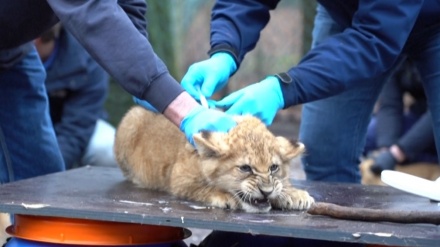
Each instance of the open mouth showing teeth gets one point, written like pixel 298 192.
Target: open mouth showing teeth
pixel 260 203
pixel 255 202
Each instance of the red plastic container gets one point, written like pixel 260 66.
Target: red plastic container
pixel 67 231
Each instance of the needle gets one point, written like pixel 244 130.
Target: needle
pixel 203 100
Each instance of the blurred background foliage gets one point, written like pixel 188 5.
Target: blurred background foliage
pixel 179 33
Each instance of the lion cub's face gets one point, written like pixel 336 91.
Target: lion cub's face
pixel 249 162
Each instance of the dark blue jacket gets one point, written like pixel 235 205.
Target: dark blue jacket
pixel 411 131
pixel 375 35
pixel 77 89
pixel 113 32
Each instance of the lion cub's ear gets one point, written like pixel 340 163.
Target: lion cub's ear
pixel 289 149
pixel 210 144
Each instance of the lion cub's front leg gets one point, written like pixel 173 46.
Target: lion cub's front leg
pixel 293 199
pixel 210 196
pixel 222 199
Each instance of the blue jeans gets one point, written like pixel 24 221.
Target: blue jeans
pixel 334 129
pixel 28 146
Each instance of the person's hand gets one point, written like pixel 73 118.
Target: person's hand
pixel 201 118
pixel 262 99
pixel 209 75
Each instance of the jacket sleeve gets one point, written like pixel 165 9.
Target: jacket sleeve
pixel 115 36
pixel 236 25
pixel 389 116
pixel 366 49
pixel 81 110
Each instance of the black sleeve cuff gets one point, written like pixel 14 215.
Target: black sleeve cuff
pixel 228 49
pixel 284 77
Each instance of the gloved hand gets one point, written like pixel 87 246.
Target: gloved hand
pixel 144 104
pixel 202 118
pixel 383 161
pixel 262 99
pixel 210 75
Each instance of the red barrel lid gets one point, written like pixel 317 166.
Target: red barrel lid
pixel 92 232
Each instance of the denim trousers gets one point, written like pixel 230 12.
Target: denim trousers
pixel 28 146
pixel 334 129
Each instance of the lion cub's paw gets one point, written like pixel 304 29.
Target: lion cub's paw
pixel 224 200
pixel 294 199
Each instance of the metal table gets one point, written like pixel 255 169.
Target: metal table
pixel 104 194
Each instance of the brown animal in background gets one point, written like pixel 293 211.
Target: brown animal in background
pixel 423 170
pixel 246 168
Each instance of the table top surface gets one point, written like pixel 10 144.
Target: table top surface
pixel 104 194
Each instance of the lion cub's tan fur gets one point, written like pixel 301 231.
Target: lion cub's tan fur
pixel 247 168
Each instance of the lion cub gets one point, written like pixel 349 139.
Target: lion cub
pixel 247 168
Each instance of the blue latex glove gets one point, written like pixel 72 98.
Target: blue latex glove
pixel 202 118
pixel 209 75
pixel 262 99
pixel 144 104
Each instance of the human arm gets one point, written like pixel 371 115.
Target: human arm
pixel 235 30
pixel 105 30
pixel 402 143
pixel 236 25
pixel 192 118
pixel 367 48
pixel 390 112
pixel 415 141
pixel 118 42
pixel 81 108
pixel 389 126
pixel 76 127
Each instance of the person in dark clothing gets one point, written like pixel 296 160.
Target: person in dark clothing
pixel 77 89
pixel 356 46
pixel 397 135
pixel 28 145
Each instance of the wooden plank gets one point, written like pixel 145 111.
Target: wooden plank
pixel 103 194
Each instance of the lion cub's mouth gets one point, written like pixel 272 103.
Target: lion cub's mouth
pixel 254 202
pixel 260 203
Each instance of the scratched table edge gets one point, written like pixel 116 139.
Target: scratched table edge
pixel 253 228
pixel 190 220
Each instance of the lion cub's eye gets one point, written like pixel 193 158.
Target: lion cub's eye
pixel 246 168
pixel 274 168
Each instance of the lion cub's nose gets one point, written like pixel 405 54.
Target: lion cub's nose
pixel 266 191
